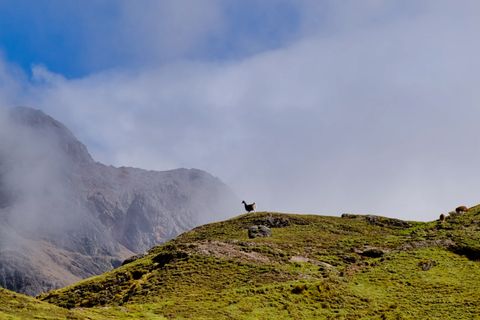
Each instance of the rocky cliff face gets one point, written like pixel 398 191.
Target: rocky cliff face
pixel 65 217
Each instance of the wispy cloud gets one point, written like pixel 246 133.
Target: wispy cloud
pixel 366 108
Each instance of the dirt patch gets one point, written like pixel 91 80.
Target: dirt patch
pixel 322 265
pixel 224 250
pixel 442 243
pixel 299 259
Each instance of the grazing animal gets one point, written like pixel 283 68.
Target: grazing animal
pixel 461 209
pixel 249 207
pixel 442 218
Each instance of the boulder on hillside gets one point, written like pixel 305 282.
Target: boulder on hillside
pixel 273 222
pixel 427 264
pixel 259 231
pixel 372 252
pixel 133 258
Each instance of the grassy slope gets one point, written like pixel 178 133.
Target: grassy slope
pixel 15 306
pixel 313 268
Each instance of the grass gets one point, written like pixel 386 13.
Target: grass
pixel 399 288
pixel 313 267
pixel 14 306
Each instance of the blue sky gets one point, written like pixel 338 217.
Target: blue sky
pixel 316 106
pixel 75 39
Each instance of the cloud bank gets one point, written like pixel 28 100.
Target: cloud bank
pixel 365 108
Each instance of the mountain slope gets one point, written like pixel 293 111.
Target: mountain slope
pixel 65 217
pixel 312 267
pixel 14 306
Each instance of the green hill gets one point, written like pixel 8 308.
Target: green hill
pixel 311 267
pixel 15 306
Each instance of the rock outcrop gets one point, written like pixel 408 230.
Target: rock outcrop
pixel 259 231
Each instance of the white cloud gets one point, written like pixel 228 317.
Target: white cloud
pixel 170 27
pixel 12 83
pixel 375 115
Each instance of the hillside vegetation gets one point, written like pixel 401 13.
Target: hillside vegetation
pixel 15 306
pixel 312 267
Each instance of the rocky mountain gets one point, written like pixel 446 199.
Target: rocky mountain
pixel 65 217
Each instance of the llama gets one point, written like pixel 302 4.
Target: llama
pixel 249 207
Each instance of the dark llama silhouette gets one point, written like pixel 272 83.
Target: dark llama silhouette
pixel 249 207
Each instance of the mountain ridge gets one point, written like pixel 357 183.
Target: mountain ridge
pixel 35 118
pixel 60 207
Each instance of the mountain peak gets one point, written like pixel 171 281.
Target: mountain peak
pixel 66 217
pixel 37 120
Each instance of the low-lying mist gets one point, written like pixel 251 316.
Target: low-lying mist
pixel 65 217
pixel 35 192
